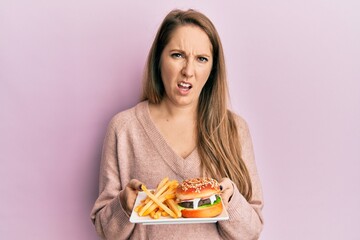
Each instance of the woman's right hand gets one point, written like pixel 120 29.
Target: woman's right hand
pixel 128 195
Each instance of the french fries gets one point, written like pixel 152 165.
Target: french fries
pixel 173 206
pixel 160 202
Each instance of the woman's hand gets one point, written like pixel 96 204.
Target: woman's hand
pixel 227 190
pixel 128 195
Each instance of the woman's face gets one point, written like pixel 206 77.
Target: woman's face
pixel 185 64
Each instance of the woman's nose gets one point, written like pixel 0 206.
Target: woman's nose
pixel 188 69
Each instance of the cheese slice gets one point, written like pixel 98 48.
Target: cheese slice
pixel 197 200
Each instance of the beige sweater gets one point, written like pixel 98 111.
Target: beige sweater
pixel 134 148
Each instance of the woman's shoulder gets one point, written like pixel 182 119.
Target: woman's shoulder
pixel 243 131
pixel 126 116
pixel 240 121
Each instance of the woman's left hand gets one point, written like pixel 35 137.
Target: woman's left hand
pixel 227 190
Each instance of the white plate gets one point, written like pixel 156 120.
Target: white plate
pixel 135 218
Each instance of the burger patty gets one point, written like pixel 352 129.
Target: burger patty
pixel 191 204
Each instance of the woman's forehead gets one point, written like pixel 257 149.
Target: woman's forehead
pixel 190 38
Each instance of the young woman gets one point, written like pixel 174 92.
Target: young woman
pixel 181 129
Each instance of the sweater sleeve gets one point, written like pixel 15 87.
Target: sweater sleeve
pixel 109 217
pixel 245 217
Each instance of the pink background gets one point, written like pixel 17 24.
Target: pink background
pixel 66 67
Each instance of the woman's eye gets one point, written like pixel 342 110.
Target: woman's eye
pixel 176 55
pixel 203 59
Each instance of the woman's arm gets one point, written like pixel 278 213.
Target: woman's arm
pixel 108 215
pixel 245 218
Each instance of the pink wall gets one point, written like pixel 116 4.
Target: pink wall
pixel 67 66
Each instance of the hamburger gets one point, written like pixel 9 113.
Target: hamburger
pixel 199 198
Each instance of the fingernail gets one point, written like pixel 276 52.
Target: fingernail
pixel 221 188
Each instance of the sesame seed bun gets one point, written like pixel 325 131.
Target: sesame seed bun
pixel 197 188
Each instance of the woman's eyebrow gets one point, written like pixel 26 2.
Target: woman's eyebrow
pixel 182 51
pixel 177 50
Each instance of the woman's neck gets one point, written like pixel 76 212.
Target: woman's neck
pixel 167 110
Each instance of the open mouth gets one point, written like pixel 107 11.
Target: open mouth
pixel 184 86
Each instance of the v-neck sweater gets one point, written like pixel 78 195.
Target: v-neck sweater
pixel 135 149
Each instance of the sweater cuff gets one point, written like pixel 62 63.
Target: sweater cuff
pixel 236 204
pixel 122 208
pixel 117 214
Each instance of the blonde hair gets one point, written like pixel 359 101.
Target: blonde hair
pixel 218 140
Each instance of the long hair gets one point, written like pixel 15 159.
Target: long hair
pixel 217 139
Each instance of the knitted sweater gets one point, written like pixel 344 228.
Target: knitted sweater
pixel 134 148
